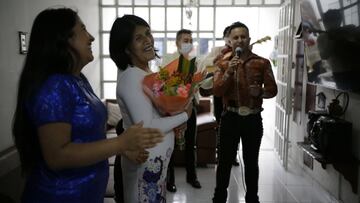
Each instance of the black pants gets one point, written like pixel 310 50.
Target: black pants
pixel 250 130
pixel 118 181
pixel 218 108
pixel 190 151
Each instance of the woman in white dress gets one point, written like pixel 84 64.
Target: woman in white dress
pixel 131 48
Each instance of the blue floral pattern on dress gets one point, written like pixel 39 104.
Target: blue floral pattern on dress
pixel 153 181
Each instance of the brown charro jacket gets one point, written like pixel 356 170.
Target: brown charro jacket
pixel 235 88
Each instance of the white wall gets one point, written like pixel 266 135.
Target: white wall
pixel 18 15
pixel 330 179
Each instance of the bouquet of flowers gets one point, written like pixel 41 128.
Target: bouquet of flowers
pixel 172 88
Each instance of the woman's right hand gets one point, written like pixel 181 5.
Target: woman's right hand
pixel 233 63
pixel 136 137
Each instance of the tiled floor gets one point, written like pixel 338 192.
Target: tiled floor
pixel 275 184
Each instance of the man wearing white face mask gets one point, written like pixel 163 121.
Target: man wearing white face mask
pixel 184 44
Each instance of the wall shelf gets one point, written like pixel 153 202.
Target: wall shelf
pixel 346 165
pixel 306 147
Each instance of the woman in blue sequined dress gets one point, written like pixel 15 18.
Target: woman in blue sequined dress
pixel 59 123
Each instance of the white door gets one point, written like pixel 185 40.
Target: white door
pixel 284 67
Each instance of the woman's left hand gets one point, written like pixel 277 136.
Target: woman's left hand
pixel 137 156
pixel 136 137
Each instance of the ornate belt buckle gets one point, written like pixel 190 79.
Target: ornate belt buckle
pixel 244 111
